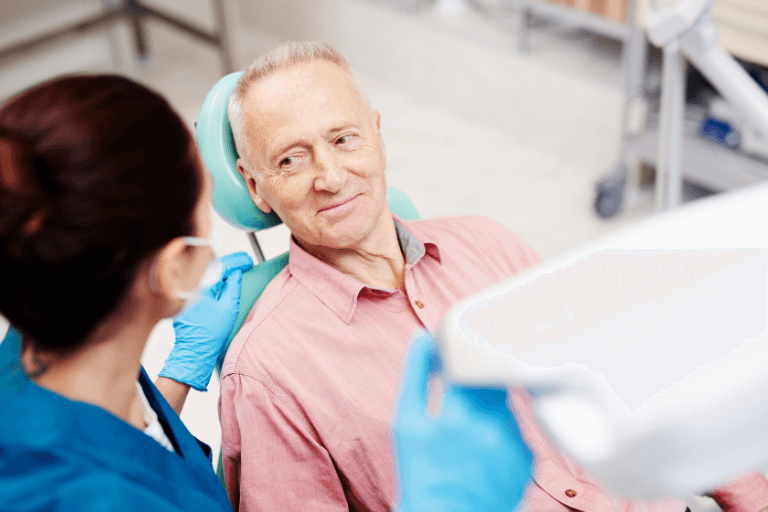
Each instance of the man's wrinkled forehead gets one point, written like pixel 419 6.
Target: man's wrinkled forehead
pixel 301 96
pixel 296 80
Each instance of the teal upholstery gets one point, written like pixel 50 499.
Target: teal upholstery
pixel 401 205
pixel 214 138
pixel 233 202
pixel 254 282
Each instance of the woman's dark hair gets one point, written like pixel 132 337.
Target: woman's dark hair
pixel 99 174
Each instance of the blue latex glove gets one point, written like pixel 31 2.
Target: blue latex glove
pixel 470 457
pixel 202 330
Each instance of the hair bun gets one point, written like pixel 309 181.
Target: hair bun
pixel 101 173
pixel 24 202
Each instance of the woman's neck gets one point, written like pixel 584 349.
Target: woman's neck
pixel 102 372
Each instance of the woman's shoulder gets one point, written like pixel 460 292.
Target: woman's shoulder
pixel 58 454
pixel 65 486
pixel 35 479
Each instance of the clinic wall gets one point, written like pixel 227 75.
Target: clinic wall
pixel 483 81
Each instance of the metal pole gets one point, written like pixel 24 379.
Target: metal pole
pixel 224 29
pixel 669 161
pixel 523 27
pixel 635 56
pixel 136 12
pixel 256 247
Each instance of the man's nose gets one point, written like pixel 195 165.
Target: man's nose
pixel 331 175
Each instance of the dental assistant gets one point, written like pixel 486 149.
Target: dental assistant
pixel 106 230
pixel 105 226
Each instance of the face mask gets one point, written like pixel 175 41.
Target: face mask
pixel 212 273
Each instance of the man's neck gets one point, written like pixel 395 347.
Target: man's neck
pixel 376 262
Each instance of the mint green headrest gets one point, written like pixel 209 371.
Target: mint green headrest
pixel 214 138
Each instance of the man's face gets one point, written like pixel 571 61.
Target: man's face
pixel 317 155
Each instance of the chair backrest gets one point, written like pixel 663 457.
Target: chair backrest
pixel 232 201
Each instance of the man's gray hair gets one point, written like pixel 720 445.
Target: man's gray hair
pixel 282 56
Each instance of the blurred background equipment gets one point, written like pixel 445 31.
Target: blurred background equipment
pixel 612 18
pixel 33 25
pixel 714 148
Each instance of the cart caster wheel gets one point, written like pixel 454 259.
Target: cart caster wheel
pixel 608 201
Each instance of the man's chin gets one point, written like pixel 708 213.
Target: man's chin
pixel 343 236
pixel 343 240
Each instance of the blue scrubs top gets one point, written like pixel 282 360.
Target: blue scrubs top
pixel 61 455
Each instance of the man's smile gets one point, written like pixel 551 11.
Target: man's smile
pixel 341 207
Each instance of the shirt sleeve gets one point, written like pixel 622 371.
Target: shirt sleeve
pixel 514 252
pixel 560 483
pixel 526 256
pixel 748 493
pixel 283 465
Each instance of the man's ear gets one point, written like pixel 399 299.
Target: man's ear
pixel 253 187
pixel 377 121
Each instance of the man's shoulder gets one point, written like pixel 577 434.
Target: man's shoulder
pixel 471 233
pixel 274 326
pixel 476 240
pixel 464 226
pixel 276 291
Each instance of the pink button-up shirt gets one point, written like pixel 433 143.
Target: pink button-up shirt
pixel 309 383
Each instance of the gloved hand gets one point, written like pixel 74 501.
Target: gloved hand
pixel 470 457
pixel 202 330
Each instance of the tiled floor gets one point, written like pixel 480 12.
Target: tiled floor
pixel 446 163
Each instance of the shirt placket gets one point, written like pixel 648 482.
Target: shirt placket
pixel 420 303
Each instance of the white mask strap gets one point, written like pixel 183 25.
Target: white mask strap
pixel 197 241
pixel 212 241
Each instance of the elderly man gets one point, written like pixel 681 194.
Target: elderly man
pixel 309 383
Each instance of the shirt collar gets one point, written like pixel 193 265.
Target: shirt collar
pixel 338 291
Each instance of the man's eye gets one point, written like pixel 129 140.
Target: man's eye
pixel 289 160
pixel 344 139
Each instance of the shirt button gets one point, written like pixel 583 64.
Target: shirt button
pixel 419 304
pixel 570 493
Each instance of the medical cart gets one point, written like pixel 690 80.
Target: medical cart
pixel 704 149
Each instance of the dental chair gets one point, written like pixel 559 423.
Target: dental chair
pixel 232 201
